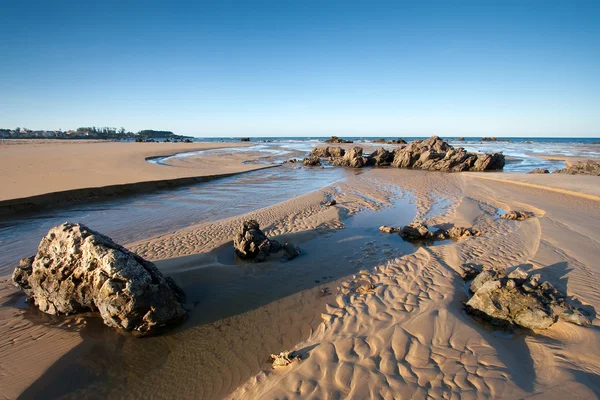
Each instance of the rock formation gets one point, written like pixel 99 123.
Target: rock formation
pixel 353 158
pixel 327 152
pixel 517 299
pixel 587 167
pixel 335 139
pixel 330 203
pixel 539 171
pixel 420 231
pixel 380 157
pixel 77 269
pixel 311 162
pixel 252 244
pixel 517 215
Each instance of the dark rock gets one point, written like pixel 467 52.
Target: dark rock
pixel 539 171
pixel 252 244
pixel 77 269
pixel 461 139
pixel 397 141
pixel 244 139
pixel 330 203
pixel 291 251
pixel 335 139
pixel 519 300
pixel 517 215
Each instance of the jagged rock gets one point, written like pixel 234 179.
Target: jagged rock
pixel 291 251
pixel 252 244
pixel 518 300
pixel 539 171
pixel 327 152
pixel 77 269
pixel 330 203
pixel 353 158
pixel 469 271
pixel 284 359
pixel 587 167
pixel 380 157
pixel 311 162
pixel 517 215
pixel 335 139
pixel 436 154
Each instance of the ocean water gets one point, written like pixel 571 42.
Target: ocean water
pixel 522 154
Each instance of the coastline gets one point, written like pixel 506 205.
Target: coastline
pixel 408 338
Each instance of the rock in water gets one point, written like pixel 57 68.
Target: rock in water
pixel 419 231
pixel 77 269
pixel 252 244
pixel 311 162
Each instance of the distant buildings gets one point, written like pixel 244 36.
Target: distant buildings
pixel 95 133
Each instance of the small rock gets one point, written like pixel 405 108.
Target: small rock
pixel 284 359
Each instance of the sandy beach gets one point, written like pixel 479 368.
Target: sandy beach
pixel 409 338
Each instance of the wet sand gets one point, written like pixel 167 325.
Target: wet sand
pixel 409 338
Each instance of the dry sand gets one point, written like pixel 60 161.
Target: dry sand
pixel 409 338
pixel 39 167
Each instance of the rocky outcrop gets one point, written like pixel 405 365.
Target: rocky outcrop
pixel 353 159
pixel 517 215
pixel 327 152
pixel 436 154
pixel 311 162
pixel 252 244
pixel 587 167
pixel 330 203
pixel 420 231
pixel 431 154
pixel 244 139
pixel 397 141
pixel 77 269
pixel 380 157
pixel 539 171
pixel 516 299
pixel 335 139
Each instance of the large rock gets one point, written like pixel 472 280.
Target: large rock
pixel 353 158
pixel 518 300
pixel 436 154
pixel 77 269
pixel 327 152
pixel 311 162
pixel 380 157
pixel 588 167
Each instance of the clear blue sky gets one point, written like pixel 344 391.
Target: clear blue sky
pixel 282 68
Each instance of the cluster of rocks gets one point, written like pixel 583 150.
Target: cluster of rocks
pixel 250 243
pixel 244 139
pixel 517 215
pixel 517 299
pixel 393 141
pixel 587 167
pixel 420 231
pixel 539 171
pixel 431 154
pixel 77 270
pixel 311 162
pixel 335 139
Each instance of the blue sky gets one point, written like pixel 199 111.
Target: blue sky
pixel 282 68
